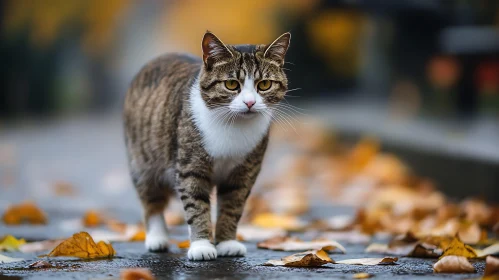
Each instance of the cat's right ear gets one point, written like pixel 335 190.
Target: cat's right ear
pixel 214 49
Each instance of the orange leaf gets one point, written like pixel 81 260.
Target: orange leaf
pixel 136 274
pixel 92 219
pixel 26 212
pixel 81 245
pixel 184 244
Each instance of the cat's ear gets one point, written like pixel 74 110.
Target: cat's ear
pixel 214 49
pixel 277 50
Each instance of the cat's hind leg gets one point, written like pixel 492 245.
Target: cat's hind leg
pixel 154 197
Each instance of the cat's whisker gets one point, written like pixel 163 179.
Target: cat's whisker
pixel 290 90
pixel 287 118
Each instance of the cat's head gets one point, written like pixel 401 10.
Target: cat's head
pixel 245 80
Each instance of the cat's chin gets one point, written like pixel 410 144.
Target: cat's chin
pixel 247 115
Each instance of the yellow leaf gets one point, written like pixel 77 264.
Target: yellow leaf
pixel 10 243
pixel 26 212
pixel 81 245
pixel 369 261
pixel 361 275
pixel 312 258
pixel 453 264
pixel 458 248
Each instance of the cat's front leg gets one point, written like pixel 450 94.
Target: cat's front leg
pixel 231 199
pixel 194 188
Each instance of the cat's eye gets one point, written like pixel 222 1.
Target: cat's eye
pixel 264 85
pixel 231 84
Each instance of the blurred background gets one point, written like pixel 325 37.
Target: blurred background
pixel 422 76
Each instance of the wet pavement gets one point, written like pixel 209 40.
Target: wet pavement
pixel 175 265
pixel 89 153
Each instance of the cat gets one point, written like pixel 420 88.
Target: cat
pixel 192 124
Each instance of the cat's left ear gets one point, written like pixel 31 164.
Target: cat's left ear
pixel 277 50
pixel 214 49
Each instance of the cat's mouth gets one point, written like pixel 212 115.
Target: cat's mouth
pixel 247 114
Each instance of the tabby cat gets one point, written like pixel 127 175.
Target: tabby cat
pixel 193 124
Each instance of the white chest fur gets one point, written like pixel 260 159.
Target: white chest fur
pixel 228 144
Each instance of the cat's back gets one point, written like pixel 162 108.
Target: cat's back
pixel 154 102
pixel 164 74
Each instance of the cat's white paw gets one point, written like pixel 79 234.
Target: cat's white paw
pixel 202 250
pixel 156 235
pixel 231 248
pixel 156 243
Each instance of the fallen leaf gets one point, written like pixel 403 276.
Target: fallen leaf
pixel 296 244
pixel 470 234
pixel 491 268
pixel 270 220
pixel 92 219
pixel 26 212
pixel 81 245
pixel 491 250
pixel 39 246
pixel 453 264
pixel 184 244
pixel 10 243
pixel 362 275
pixel 313 258
pixel 254 233
pixel 5 259
pixel 458 248
pixel 370 261
pixel 138 236
pixel 40 264
pixel 136 274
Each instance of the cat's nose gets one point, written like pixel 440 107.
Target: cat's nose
pixel 249 103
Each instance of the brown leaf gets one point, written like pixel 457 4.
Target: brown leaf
pixel 136 274
pixel 453 264
pixel 40 264
pixel 470 234
pixel 370 261
pixel 491 267
pixel 81 245
pixel 458 248
pixel 26 212
pixel 296 244
pixel 313 258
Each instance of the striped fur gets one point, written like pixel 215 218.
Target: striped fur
pixel 178 142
